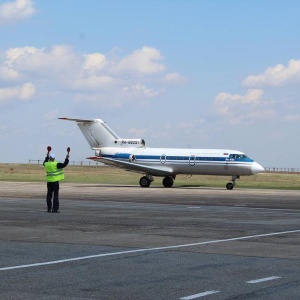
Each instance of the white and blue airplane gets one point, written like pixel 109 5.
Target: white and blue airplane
pixel 133 155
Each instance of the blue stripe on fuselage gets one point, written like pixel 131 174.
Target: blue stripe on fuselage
pixel 176 158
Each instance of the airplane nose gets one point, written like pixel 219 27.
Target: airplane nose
pixel 256 168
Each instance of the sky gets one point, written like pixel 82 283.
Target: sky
pixel 178 73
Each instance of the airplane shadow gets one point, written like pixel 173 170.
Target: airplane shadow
pixel 186 186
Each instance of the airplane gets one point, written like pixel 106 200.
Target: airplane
pixel 133 155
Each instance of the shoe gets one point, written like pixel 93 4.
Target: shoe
pixel 55 211
pixel 49 210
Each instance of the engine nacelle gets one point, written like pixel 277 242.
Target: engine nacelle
pixel 98 153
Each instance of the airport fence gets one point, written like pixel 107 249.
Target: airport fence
pixel 71 162
pixel 96 164
pixel 282 170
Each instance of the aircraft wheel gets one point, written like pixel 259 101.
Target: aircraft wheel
pixel 145 182
pixel 229 186
pixel 168 182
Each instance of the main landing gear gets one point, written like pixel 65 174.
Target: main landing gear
pixel 168 181
pixel 230 185
pixel 145 181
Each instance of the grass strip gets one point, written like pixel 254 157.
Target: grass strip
pixel 111 175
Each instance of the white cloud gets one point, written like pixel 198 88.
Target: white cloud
pixel 292 118
pixel 56 62
pixel 140 90
pixel 276 76
pixel 192 131
pixel 9 68
pixel 94 62
pixel 22 93
pixel 136 133
pixel 224 102
pixel 27 91
pixel 141 62
pixel 190 125
pixel 7 73
pixel 93 83
pixel 49 116
pixel 174 78
pixel 89 76
pixel 236 108
pixel 62 59
pixel 259 114
pixel 11 12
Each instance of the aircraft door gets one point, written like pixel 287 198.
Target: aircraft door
pixel 228 160
pixel 192 160
pixel 163 158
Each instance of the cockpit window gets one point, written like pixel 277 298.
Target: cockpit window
pixel 239 156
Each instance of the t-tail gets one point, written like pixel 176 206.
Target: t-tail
pixel 99 135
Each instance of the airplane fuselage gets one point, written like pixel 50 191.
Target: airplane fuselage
pixel 186 161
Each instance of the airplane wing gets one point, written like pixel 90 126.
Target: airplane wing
pixel 155 171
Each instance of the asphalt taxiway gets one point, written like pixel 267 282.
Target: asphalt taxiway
pixel 127 242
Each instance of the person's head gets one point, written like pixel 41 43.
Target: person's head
pixel 52 156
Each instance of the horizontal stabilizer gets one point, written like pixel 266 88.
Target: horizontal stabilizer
pixel 77 120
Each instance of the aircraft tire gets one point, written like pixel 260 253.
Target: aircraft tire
pixel 145 182
pixel 168 182
pixel 229 186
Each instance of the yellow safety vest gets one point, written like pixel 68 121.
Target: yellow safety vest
pixel 53 174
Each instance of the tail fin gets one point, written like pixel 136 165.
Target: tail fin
pixel 96 132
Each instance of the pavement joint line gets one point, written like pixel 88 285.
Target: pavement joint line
pixel 199 295
pixel 146 250
pixel 263 279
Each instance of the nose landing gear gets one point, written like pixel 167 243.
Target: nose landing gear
pixel 230 185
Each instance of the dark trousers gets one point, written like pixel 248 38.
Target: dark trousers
pixel 53 189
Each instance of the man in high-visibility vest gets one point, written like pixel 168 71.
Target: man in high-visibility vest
pixel 55 173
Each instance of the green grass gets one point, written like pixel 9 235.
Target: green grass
pixel 109 175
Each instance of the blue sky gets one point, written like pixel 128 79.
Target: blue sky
pixel 200 74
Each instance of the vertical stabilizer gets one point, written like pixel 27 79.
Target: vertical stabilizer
pixel 96 132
